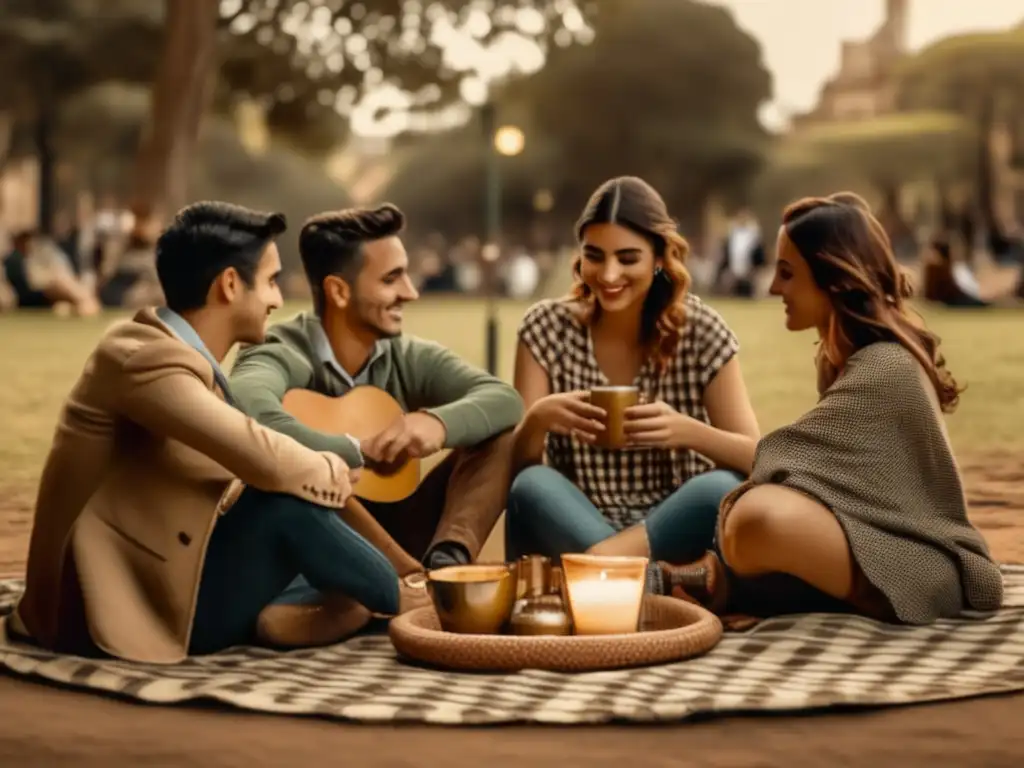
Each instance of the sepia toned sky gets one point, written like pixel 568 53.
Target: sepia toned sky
pixel 801 38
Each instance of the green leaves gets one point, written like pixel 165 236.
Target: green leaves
pixel 667 89
pixel 957 72
pixel 312 60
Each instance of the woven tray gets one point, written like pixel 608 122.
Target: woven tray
pixel 673 630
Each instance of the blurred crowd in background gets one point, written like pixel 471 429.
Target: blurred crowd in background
pixel 489 123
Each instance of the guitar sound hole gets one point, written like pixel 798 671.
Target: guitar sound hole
pixel 383 469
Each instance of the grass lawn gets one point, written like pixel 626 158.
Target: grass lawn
pixel 985 350
pixel 43 355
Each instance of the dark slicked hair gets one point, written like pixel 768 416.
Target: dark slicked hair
pixel 332 243
pixel 206 238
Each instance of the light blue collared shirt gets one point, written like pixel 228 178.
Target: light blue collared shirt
pixel 326 355
pixel 322 347
pixel 184 331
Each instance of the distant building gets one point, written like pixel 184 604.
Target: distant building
pixel 864 86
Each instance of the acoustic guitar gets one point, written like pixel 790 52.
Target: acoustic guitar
pixel 362 412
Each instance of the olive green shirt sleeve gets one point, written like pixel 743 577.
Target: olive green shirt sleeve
pixel 472 404
pixel 261 376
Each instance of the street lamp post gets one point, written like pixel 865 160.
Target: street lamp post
pixel 492 231
pixel 507 140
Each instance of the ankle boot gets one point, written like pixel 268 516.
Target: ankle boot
pixel 702 582
pixel 412 594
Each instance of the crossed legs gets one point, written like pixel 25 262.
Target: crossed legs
pixel 775 529
pixel 548 515
pixel 278 554
pixel 782 551
pixel 789 553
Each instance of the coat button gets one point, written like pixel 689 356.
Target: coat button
pixel 184 538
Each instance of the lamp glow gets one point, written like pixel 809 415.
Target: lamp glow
pixel 509 140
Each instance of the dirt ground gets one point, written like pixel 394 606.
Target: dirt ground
pixel 42 725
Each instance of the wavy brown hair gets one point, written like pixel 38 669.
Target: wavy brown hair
pixel 851 259
pixel 634 204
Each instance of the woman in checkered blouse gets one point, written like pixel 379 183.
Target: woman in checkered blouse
pixel 628 320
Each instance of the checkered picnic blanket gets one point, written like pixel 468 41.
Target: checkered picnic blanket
pixel 791 663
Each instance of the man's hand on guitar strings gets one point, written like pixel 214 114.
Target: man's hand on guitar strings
pixel 411 436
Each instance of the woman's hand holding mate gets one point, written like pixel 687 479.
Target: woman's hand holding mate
pixel 569 413
pixel 657 425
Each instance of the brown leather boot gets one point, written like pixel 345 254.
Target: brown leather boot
pixel 869 600
pixel 329 621
pixel 702 582
pixel 412 594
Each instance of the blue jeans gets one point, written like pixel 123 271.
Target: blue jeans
pixel 273 548
pixel 548 515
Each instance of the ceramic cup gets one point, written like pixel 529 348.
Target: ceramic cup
pixel 614 401
pixel 473 599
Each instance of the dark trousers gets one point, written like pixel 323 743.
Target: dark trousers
pixel 459 500
pixel 274 548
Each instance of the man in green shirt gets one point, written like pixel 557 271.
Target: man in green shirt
pixel 358 272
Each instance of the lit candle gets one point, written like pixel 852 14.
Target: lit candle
pixel 604 593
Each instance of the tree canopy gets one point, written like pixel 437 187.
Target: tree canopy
pixel 310 61
pixel 893 149
pixel 307 61
pixel 61 47
pixel 668 90
pixel 962 72
pixel 980 77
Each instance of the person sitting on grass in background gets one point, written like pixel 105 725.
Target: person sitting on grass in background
pixel 947 280
pixel 41 277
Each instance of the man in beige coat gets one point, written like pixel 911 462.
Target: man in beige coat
pixel 168 522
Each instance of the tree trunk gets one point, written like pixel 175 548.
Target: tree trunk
pixel 6 137
pixel 44 130
pixel 986 170
pixel 181 93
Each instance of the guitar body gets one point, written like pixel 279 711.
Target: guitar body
pixel 362 412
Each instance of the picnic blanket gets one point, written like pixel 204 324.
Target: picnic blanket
pixel 809 661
